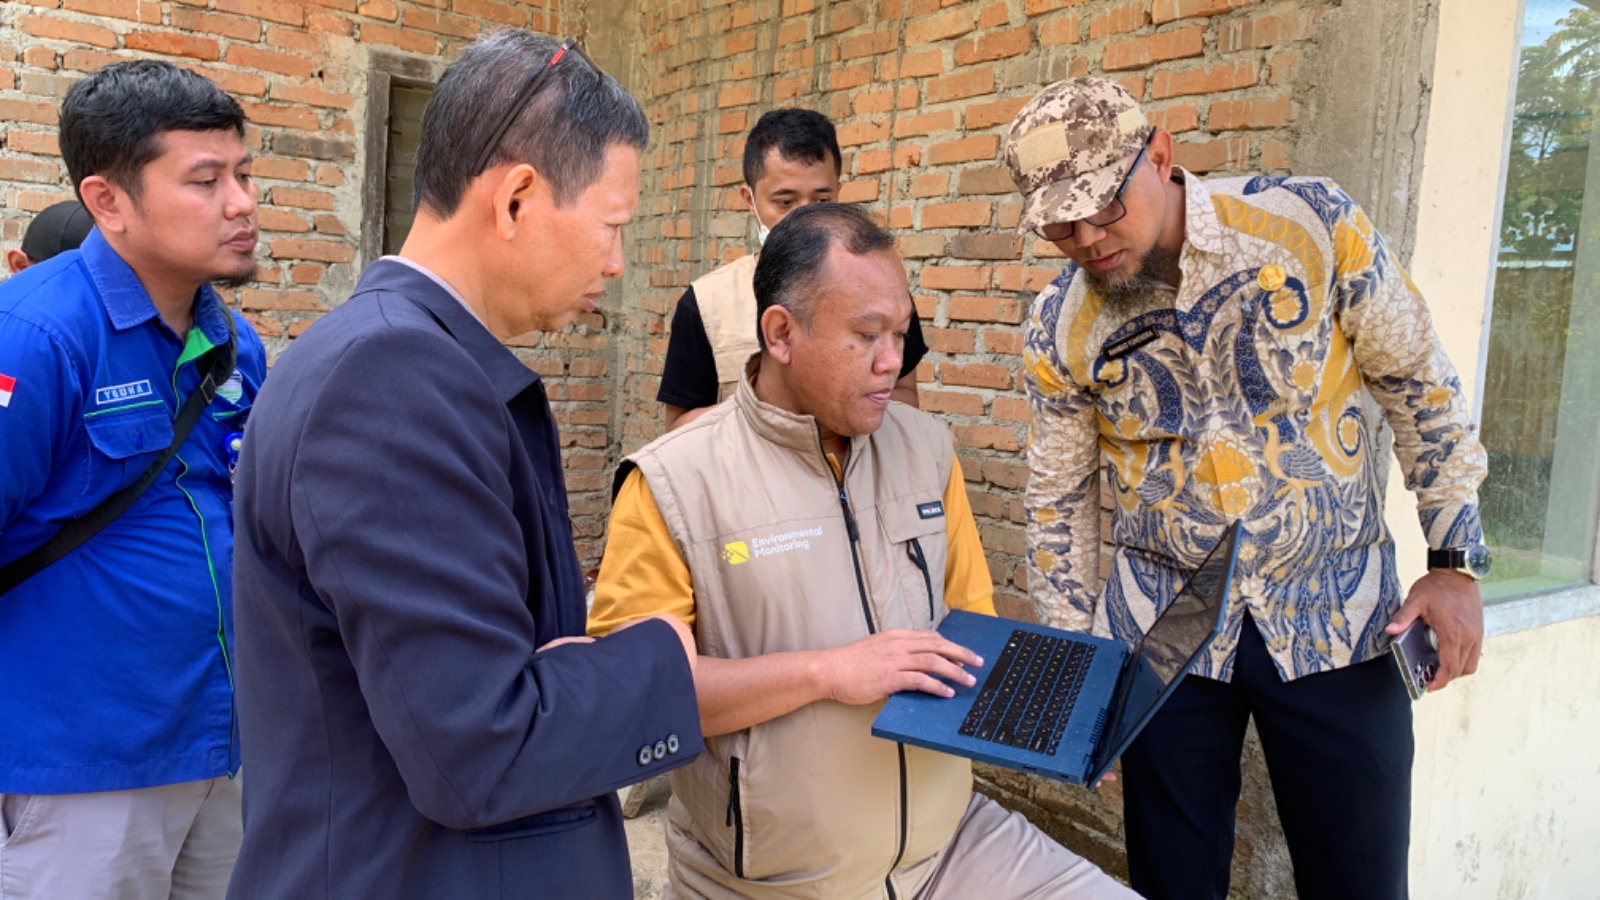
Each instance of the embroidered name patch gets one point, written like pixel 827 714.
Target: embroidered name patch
pixel 930 510
pixel 1130 343
pixel 121 393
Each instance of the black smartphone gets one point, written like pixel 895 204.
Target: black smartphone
pixel 1416 652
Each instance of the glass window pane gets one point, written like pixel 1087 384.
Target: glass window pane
pixel 1541 409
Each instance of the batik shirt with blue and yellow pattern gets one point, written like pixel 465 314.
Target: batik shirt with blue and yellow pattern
pixel 1238 397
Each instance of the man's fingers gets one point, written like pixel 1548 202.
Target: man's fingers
pixel 958 654
pixel 928 641
pixel 934 664
pixel 1459 651
pixel 1476 653
pixel 1454 652
pixel 918 681
pixel 1405 615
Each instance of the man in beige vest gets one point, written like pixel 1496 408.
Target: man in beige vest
pixel 814 534
pixel 791 158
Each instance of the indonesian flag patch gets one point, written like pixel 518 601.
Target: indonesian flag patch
pixel 8 386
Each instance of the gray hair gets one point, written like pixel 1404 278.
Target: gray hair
pixel 563 132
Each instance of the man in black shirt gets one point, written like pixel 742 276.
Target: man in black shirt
pixel 791 158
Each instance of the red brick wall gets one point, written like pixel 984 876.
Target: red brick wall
pixel 300 70
pixel 922 93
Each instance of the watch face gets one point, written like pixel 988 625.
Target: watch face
pixel 1478 560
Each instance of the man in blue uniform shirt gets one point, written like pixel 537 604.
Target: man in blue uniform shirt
pixel 421 715
pixel 117 752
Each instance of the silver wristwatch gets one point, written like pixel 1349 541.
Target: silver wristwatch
pixel 1473 560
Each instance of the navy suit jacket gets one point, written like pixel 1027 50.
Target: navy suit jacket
pixel 402 549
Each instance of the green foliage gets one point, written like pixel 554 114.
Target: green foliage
pixel 1558 92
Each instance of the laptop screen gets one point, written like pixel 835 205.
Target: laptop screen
pixel 1175 640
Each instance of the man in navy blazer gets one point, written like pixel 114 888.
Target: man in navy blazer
pixel 420 717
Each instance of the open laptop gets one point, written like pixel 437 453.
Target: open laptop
pixel 1060 703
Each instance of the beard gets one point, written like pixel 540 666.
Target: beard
pixel 1158 271
pixel 235 279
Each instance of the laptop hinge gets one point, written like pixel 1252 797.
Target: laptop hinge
pixel 1106 723
pixel 1094 740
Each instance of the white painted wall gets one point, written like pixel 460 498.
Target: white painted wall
pixel 1506 790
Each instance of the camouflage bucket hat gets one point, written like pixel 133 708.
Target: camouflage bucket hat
pixel 1069 149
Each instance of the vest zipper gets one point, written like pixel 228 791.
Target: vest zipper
pixel 914 550
pixel 736 816
pixel 872 628
pixel 905 823
pixel 855 539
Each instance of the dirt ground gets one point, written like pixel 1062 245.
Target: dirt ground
pixel 646 843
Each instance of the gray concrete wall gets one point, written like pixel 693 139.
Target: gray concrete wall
pixel 1363 95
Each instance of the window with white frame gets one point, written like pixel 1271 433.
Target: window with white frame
pixel 1541 400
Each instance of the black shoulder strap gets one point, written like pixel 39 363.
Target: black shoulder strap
pixel 218 366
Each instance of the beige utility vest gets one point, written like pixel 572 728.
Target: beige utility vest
pixel 727 299
pixel 809 804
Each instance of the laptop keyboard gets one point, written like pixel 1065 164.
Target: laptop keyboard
pixel 1029 694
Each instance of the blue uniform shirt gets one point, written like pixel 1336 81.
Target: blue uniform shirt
pixel 114 669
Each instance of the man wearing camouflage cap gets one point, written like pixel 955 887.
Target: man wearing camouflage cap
pixel 1215 339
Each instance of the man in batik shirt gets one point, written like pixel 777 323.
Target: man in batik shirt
pixel 1213 340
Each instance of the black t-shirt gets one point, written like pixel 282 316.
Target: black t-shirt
pixel 689 373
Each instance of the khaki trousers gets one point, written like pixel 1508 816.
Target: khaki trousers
pixel 174 842
pixel 998 854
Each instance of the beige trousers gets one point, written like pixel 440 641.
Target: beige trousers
pixel 175 842
pixel 997 854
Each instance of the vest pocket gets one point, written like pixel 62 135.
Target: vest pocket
pixel 918 552
pixel 920 560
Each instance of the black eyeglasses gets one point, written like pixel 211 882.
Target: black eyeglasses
pixel 1113 213
pixel 530 87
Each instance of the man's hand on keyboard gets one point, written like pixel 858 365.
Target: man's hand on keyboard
pixel 874 667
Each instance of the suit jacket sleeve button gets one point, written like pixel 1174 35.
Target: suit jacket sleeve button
pixel 645 756
pixel 661 749
pixel 672 743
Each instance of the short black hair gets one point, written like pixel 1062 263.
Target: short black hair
pixel 563 132
pixel 112 121
pixel 791 262
pixel 799 134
